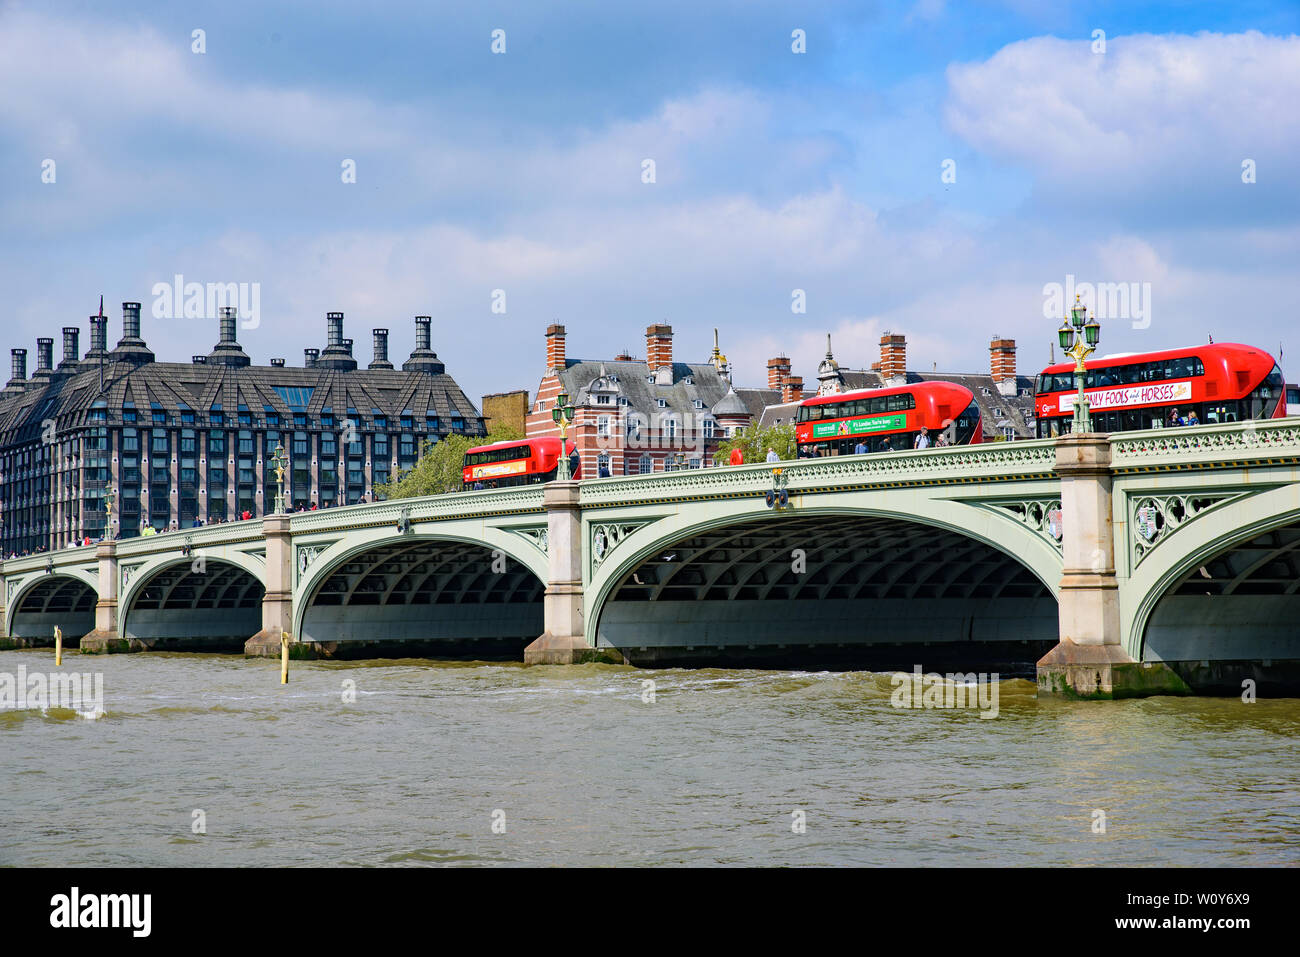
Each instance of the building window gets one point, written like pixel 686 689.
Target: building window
pixel 708 428
pixel 602 428
pixel 647 465
pixel 662 403
pixel 603 400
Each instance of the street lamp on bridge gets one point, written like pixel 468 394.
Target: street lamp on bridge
pixel 110 496
pixel 1079 340
pixel 562 415
pixel 279 461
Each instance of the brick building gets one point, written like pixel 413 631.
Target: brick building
pixel 635 416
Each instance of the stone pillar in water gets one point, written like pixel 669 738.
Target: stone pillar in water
pixel 105 638
pixel 564 641
pixel 277 603
pixel 1090 660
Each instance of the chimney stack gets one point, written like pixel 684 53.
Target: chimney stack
pixel 423 358
pixel 131 348
pixel 226 319
pixel 309 357
pixel 18 368
pixel 659 351
pixel 71 349
pixel 1002 364
pixel 893 356
pixel 337 353
pixel 228 350
pixel 130 321
pixel 98 337
pixel 381 350
pixel 555 347
pixel 277 363
pixel 778 370
pixel 792 389
pixel 44 356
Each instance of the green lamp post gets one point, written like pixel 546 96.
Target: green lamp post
pixel 1079 340
pixel 562 415
pixel 279 461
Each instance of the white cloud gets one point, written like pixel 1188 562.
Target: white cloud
pixel 1153 111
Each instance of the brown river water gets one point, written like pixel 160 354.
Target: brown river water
pixel 416 762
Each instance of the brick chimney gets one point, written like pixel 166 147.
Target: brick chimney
pixel 555 347
pixel 791 388
pixel 623 356
pixel 658 346
pixel 1002 364
pixel 778 370
pixel 893 356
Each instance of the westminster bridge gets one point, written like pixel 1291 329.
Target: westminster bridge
pixel 1165 561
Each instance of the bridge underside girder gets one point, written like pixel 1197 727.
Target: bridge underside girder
pixel 1242 606
pixel 443 598
pixel 856 589
pixel 59 600
pixel 179 609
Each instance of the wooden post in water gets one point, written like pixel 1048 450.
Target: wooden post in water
pixel 58 647
pixel 284 657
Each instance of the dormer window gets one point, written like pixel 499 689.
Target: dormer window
pixel 697 404
pixel 603 400
pixel 662 403
pixel 689 380
pixel 985 391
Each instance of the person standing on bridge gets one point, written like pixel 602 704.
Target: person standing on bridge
pixel 922 440
pixel 772 456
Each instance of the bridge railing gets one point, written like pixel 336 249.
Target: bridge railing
pixel 525 498
pixel 1205 445
pixel 984 462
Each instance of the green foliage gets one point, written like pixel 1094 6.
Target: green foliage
pixel 440 466
pixel 754 443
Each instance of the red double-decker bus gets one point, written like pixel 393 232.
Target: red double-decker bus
pixel 880 420
pixel 521 462
pixel 1222 382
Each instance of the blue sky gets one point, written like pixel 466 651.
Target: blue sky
pixel 775 171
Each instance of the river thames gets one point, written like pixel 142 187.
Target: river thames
pixel 418 762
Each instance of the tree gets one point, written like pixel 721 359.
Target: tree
pixel 754 443
pixel 441 466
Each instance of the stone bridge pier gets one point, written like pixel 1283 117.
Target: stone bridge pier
pixel 1090 660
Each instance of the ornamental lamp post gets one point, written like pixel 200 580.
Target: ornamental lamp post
pixel 110 496
pixel 279 461
pixel 562 415
pixel 1079 340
